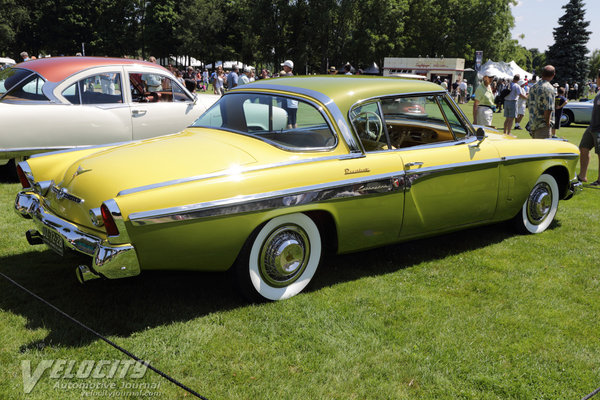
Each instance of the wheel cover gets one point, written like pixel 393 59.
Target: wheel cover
pixel 284 255
pixel 539 203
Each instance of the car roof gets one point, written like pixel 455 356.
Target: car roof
pixel 346 90
pixel 56 69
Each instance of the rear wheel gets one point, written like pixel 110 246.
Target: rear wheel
pixel 540 207
pixel 281 259
pixel 566 118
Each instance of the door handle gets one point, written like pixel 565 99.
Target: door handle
pixel 138 112
pixel 413 164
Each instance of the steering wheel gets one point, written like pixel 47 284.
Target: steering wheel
pixel 373 124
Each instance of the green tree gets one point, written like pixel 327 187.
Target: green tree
pixel 14 18
pixel 594 64
pixel 568 53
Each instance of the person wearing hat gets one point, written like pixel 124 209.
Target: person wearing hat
pixel 288 66
pixel 332 70
pixel 483 106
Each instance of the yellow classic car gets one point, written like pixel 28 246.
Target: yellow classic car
pixel 279 171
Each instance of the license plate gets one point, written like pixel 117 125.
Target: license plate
pixel 53 240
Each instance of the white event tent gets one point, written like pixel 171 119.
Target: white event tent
pixel 503 70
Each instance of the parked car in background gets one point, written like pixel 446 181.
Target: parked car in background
pixel 68 102
pixel 279 171
pixel 577 112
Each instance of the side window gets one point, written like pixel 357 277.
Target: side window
pixel 368 125
pixel 283 121
pixel 155 88
pixel 417 120
pixel 96 89
pixel 29 89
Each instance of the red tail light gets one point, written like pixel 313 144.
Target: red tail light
pixel 24 181
pixel 109 222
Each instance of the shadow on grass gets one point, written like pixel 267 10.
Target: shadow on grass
pixel 125 306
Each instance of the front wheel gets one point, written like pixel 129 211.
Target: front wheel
pixel 281 259
pixel 540 207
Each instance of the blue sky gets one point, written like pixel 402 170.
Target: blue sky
pixel 536 19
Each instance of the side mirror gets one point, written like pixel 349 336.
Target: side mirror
pixel 480 134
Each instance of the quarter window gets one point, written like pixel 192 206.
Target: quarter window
pixel 284 121
pixel 29 89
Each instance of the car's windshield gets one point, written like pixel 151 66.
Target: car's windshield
pixel 9 77
pixel 283 121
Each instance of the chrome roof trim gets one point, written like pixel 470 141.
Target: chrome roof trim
pixel 276 199
pixel 322 98
pixel 229 172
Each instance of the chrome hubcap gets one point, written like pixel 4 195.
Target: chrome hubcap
pixel 539 203
pixel 284 255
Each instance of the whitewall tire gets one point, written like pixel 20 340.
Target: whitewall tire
pixel 281 259
pixel 540 207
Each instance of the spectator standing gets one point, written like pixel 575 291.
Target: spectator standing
pixel 347 69
pixel 559 102
pixel 24 55
pixel 332 70
pixel 510 104
pixel 204 80
pixel 291 106
pixel 541 105
pixel 220 79
pixel 288 67
pixel 591 139
pixel 483 107
pixel 232 78
pixel 455 90
pixel 445 84
pixel 521 103
pixel 245 77
pixel 190 79
pixel 462 91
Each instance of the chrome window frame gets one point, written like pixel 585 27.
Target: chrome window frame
pixel 317 106
pixel 338 117
pixel 16 84
pixel 468 139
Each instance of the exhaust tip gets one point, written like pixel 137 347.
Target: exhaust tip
pixel 33 237
pixel 84 274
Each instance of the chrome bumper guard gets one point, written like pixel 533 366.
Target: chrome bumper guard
pixel 575 187
pixel 108 260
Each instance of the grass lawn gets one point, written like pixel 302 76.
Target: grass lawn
pixel 479 314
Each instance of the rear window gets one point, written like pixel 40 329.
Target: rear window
pixel 10 77
pixel 283 121
pixel 28 89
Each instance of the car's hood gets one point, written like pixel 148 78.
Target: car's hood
pixel 102 175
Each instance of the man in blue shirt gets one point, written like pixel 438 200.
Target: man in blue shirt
pixel 232 78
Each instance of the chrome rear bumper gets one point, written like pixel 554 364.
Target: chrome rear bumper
pixel 108 260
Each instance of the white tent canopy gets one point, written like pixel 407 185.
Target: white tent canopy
pixel 502 70
pixel 226 64
pixel 6 60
